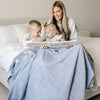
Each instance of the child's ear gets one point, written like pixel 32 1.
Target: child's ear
pixel 29 31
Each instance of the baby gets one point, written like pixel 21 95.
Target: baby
pixel 52 34
pixel 34 32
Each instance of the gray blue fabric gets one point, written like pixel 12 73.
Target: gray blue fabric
pixel 51 74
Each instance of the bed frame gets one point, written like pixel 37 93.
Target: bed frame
pixel 3 77
pixel 4 74
pixel 3 80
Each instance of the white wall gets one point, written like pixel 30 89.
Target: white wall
pixel 84 12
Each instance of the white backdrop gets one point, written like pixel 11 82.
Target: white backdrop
pixel 86 13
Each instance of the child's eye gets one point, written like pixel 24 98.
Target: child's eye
pixel 39 32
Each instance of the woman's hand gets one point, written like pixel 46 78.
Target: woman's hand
pixel 69 46
pixel 44 47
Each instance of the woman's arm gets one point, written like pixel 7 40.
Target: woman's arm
pixel 72 27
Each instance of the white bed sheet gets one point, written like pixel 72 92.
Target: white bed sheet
pixel 7 53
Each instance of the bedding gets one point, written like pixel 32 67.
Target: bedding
pixel 8 34
pixel 40 74
pixel 91 44
pixel 21 30
pixel 7 53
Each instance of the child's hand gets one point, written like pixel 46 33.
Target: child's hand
pixel 43 47
pixel 62 39
pixel 69 46
pixel 33 47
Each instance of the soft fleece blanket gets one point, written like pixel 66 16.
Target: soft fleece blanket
pixel 51 74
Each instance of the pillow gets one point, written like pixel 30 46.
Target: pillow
pixel 8 34
pixel 21 30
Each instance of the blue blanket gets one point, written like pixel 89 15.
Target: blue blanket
pixel 51 74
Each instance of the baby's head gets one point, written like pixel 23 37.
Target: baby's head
pixel 50 30
pixel 34 28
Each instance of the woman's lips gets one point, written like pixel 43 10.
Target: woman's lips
pixel 57 17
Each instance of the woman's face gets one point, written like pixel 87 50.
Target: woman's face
pixel 58 14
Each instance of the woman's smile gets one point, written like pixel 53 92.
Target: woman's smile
pixel 58 14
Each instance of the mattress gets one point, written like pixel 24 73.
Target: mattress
pixel 4 77
pixel 7 53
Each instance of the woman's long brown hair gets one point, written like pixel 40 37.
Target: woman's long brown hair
pixel 64 24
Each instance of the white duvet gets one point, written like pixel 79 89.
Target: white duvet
pixel 7 53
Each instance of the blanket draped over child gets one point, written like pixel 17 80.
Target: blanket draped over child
pixel 51 74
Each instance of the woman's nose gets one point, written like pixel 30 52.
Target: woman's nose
pixel 55 14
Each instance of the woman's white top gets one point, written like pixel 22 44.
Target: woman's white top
pixel 71 25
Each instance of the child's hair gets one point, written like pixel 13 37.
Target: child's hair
pixel 51 26
pixel 33 23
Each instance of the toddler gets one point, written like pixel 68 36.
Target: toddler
pixel 52 34
pixel 34 32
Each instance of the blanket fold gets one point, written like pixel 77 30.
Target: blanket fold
pixel 51 74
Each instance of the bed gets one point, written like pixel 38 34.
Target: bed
pixel 9 49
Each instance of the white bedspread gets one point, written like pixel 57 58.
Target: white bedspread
pixel 7 54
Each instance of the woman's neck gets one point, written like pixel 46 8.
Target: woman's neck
pixel 59 21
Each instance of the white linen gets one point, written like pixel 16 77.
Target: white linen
pixel 92 45
pixel 8 34
pixel 21 30
pixel 7 53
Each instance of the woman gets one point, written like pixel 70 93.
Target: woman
pixel 65 25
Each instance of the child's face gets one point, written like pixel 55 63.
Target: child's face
pixel 35 32
pixel 50 33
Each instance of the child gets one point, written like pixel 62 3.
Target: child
pixel 34 33
pixel 52 34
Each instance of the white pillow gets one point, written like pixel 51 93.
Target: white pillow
pixel 21 30
pixel 8 34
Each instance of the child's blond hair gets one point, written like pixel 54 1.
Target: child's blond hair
pixel 52 27
pixel 34 23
